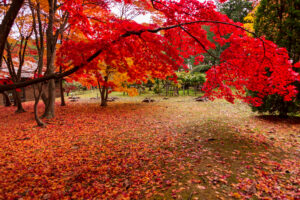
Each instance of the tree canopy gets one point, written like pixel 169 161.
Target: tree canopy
pixel 157 49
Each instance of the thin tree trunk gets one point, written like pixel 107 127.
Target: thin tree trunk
pixel 36 102
pixel 62 96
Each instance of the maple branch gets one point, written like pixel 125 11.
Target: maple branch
pixel 218 22
pixel 200 43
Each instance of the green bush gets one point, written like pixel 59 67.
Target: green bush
pixel 274 104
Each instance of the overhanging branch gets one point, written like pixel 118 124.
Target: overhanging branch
pixel 99 51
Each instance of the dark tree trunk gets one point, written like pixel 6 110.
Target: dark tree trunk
pixel 103 92
pixel 18 100
pixel 7 24
pixel 104 96
pixel 62 97
pixel 49 109
pixel 15 98
pixel 6 99
pixel 51 43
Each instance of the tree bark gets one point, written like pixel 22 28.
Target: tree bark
pixel 50 107
pixel 36 116
pixel 15 98
pixel 51 43
pixel 103 93
pixel 7 24
pixel 20 108
pixel 104 96
pixel 36 102
pixel 62 97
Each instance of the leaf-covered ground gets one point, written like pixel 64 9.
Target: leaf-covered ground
pixel 170 149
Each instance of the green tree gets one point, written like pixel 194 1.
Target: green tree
pixel 279 21
pixel 236 10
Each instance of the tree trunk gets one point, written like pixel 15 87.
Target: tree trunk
pixel 62 96
pixel 51 43
pixel 36 116
pixel 6 99
pixel 36 102
pixel 7 24
pixel 50 107
pixel 183 89
pixel 104 95
pixel 15 98
pixel 18 100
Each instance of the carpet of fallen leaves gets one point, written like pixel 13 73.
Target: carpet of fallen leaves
pixel 170 149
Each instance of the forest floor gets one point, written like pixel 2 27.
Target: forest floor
pixel 170 149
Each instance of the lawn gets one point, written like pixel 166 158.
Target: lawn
pixel 170 149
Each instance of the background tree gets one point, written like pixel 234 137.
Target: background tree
pixel 279 21
pixel 16 52
pixel 236 10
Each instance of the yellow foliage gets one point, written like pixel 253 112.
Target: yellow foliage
pixel 249 19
